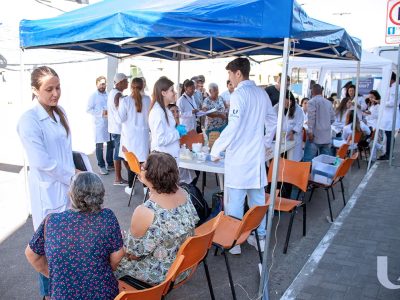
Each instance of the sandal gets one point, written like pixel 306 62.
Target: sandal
pixel 121 182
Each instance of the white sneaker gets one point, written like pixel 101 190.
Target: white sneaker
pixel 253 241
pixel 128 190
pixel 103 171
pixel 236 250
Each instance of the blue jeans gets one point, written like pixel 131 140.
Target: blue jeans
pixel 311 150
pixel 43 285
pixel 116 140
pixel 235 205
pixel 109 154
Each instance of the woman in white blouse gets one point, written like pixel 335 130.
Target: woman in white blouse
pixel 135 132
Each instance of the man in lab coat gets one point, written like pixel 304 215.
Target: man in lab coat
pixel 250 116
pixel 97 107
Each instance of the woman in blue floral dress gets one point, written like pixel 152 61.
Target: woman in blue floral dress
pixel 160 225
pixel 78 249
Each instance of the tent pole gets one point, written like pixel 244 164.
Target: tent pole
pixel 263 288
pixel 179 78
pixel 396 107
pixel 355 107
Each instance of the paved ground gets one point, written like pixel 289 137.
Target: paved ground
pixel 20 282
pixel 348 268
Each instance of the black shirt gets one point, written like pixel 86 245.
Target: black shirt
pixel 273 94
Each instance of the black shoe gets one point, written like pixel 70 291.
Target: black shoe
pixel 383 157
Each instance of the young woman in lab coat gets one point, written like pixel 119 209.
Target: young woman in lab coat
pixel 46 138
pixel 187 106
pixel 164 134
pixel 293 125
pixel 135 132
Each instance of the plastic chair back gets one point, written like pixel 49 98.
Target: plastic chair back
pixel 250 221
pixel 191 138
pixel 195 248
pixel 156 292
pixel 293 172
pixel 342 151
pixel 345 167
pixel 133 161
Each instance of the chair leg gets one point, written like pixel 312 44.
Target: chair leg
pixel 289 230
pixel 208 278
pixel 216 179
pixel 133 187
pixel 341 185
pixel 203 183
pixel 329 203
pixel 229 275
pixel 312 192
pixel 258 245
pixel 333 193
pixel 304 218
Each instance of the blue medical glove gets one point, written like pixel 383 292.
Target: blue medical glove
pixel 182 130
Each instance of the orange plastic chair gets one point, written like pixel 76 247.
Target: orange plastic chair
pixel 134 166
pixel 191 138
pixel 195 250
pixel 231 232
pixel 342 151
pixel 128 292
pixel 297 174
pixel 341 172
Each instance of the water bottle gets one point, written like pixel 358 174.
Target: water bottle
pixel 205 137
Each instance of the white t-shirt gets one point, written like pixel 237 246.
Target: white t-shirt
pixel 114 121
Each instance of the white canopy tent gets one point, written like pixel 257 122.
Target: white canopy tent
pixel 369 64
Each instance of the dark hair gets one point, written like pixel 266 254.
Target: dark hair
pixel 98 79
pixel 342 106
pixel 239 64
pixel 348 83
pixel 376 94
pixel 393 77
pixel 162 172
pixel 87 192
pixel 292 104
pixel 317 89
pixel 349 120
pixel 304 99
pixel 333 95
pixel 136 87
pixel 161 85
pixel 187 83
pixel 228 82
pixel 36 82
pixel 351 86
pixel 171 105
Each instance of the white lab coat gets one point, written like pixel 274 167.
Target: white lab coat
pixel 135 131
pixel 96 105
pixel 114 122
pixel 186 104
pixel 372 118
pixel 164 136
pixel 51 166
pixel 348 131
pixel 387 114
pixel 295 124
pixel 243 138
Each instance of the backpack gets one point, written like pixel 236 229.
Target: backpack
pixel 217 204
pixel 198 201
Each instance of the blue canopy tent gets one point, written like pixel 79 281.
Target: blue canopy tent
pixel 196 29
pixel 190 29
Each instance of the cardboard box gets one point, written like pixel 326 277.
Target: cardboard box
pixel 324 167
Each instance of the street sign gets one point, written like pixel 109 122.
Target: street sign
pixel 393 22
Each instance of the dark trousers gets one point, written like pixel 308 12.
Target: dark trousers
pixel 388 140
pixel 109 154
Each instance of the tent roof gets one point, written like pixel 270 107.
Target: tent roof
pixel 189 29
pixel 369 63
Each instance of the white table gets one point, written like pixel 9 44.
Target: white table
pixel 218 167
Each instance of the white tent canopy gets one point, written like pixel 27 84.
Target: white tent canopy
pixel 369 64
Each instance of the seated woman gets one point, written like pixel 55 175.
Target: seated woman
pixel 217 120
pixel 340 116
pixel 360 127
pixel 160 225
pixel 78 249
